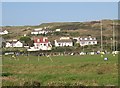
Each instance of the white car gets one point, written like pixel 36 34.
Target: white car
pixel 92 53
pixel 115 52
pixel 82 53
pixel 10 53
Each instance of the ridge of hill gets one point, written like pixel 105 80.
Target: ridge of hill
pixel 74 28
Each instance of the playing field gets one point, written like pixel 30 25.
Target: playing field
pixel 64 70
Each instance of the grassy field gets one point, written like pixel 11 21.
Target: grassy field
pixel 64 70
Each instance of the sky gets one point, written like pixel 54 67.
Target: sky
pixel 35 13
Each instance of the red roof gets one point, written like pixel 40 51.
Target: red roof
pixel 40 40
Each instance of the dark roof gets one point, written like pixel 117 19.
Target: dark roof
pixel 87 40
pixel 64 40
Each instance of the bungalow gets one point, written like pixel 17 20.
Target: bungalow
pixel 87 41
pixel 63 42
pixel 41 44
pixel 14 44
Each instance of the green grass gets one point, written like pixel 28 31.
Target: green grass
pixel 64 70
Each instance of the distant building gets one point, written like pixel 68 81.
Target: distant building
pixel 4 32
pixel 64 38
pixel 14 44
pixel 87 41
pixel 40 31
pixel 63 41
pixel 58 30
pixel 41 44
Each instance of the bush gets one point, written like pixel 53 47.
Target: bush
pixel 100 72
pixel 32 84
pixel 63 49
pixel 5 74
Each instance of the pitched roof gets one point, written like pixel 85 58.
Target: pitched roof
pixel 40 40
pixel 64 40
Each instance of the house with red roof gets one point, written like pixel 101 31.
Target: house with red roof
pixel 41 43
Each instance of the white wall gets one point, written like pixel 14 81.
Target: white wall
pixel 8 44
pixel 42 46
pixel 63 44
pixel 87 43
pixel 18 44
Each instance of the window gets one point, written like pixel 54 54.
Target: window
pixel 38 40
pixel 44 44
pixel 89 42
pixel 45 39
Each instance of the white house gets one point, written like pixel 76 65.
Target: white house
pixel 58 30
pixel 8 44
pixel 63 41
pixel 14 44
pixel 64 38
pixel 41 44
pixel 18 44
pixel 4 32
pixel 40 31
pixel 87 41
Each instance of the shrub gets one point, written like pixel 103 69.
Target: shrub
pixel 6 74
pixel 32 84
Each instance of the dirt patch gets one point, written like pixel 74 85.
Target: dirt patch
pixel 8 78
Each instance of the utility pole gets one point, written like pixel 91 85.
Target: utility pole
pixel 111 44
pixel 113 36
pixel 101 37
pixel 116 25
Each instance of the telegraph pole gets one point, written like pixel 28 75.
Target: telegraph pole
pixel 113 36
pixel 101 37
pixel 116 36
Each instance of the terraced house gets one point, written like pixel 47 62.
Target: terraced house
pixel 87 41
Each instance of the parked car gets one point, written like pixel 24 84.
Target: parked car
pixel 9 53
pixel 92 53
pixel 115 52
pixel 82 53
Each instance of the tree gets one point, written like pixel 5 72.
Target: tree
pixel 25 39
pixel 77 45
pixel 74 41
pixel 31 43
